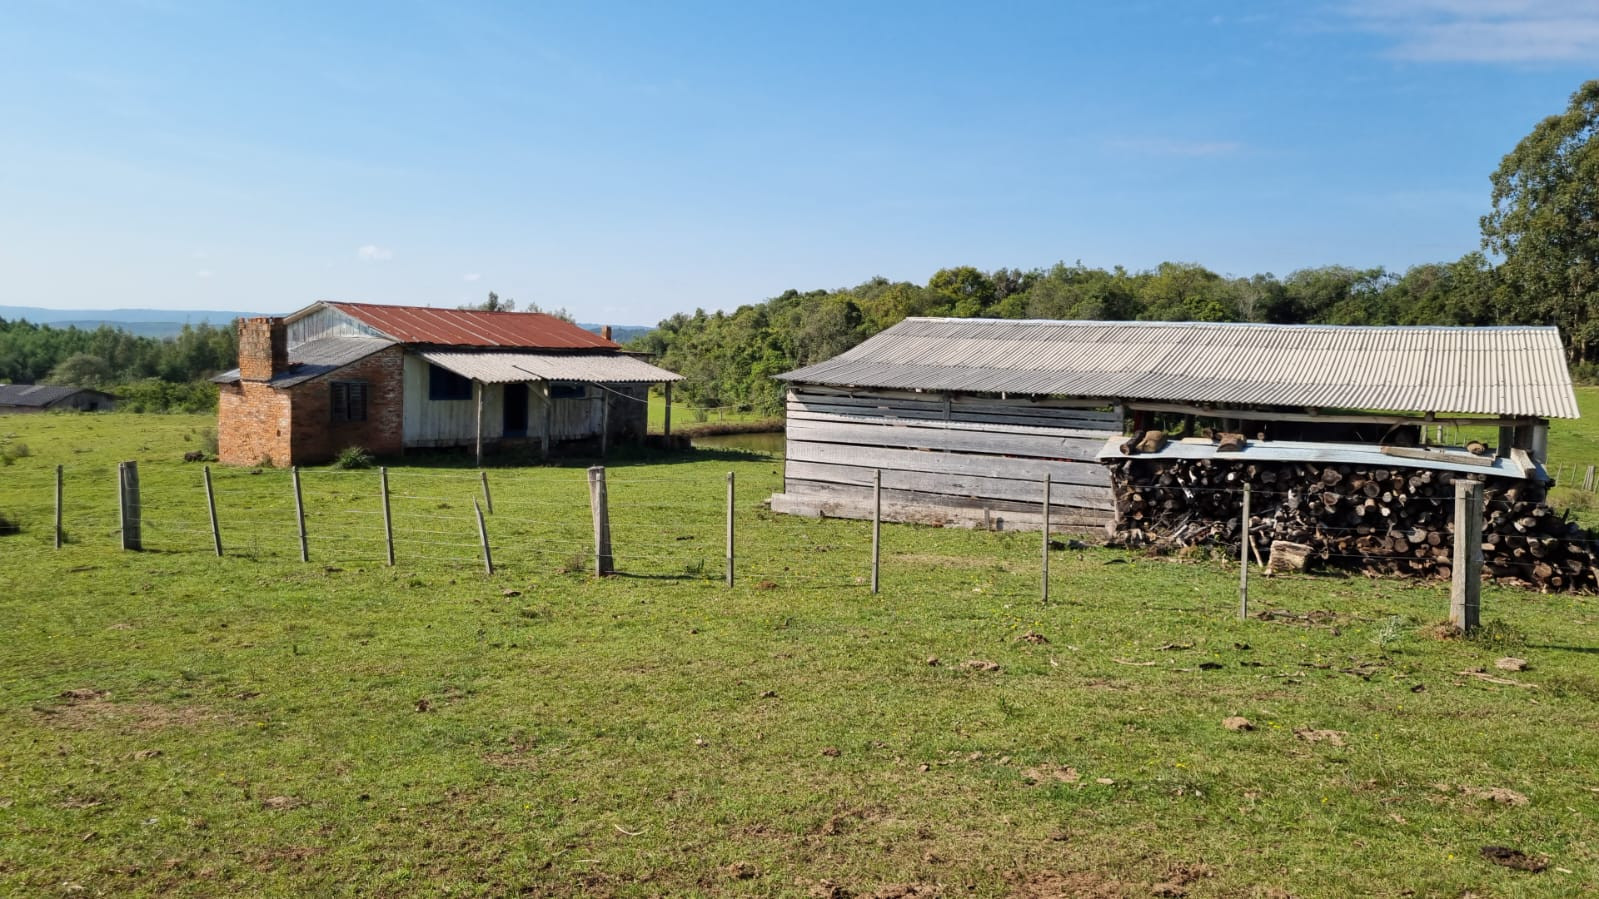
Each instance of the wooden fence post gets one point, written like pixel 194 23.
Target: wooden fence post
pixel 667 429
pixel 1045 585
pixel 211 508
pixel 599 505
pixel 58 507
pixel 299 513
pixel 877 525
pixel 130 505
pixel 1465 590
pixel 388 519
pixel 483 537
pixel 1243 560
pixel 488 498
pixel 730 529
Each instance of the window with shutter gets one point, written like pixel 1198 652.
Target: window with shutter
pixel 348 400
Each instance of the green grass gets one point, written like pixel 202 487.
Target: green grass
pixel 259 726
pixel 685 419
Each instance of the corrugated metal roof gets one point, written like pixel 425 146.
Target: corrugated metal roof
pixel 316 358
pixel 1488 371
pixel 512 368
pixel 471 327
pixel 37 395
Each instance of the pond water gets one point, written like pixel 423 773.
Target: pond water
pixel 767 442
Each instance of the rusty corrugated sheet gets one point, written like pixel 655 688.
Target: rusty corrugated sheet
pixel 471 327
pixel 512 368
pixel 1488 371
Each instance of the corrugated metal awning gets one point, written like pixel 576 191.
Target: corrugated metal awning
pixel 512 368
pixel 1487 371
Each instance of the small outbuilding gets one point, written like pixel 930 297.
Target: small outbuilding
pixel 392 378
pixel 23 398
pixel 963 419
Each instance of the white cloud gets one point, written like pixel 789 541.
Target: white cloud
pixel 472 276
pixel 373 253
pixel 1488 31
pixel 203 273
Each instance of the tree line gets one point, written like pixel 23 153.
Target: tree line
pixel 147 373
pixel 728 358
pixel 1542 229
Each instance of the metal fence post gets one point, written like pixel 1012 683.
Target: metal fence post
pixel 1243 560
pixel 299 513
pixel 211 507
pixel 599 505
pixel 1465 589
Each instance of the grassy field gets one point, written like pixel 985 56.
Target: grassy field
pixel 179 724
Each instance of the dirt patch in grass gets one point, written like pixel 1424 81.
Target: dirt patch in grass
pixel 88 709
pixel 1074 885
pixel 932 559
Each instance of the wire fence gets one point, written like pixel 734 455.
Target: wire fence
pixel 687 526
pixel 695 525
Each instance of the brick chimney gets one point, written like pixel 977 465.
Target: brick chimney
pixel 263 348
pixel 605 331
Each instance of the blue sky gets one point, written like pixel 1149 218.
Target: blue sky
pixel 627 161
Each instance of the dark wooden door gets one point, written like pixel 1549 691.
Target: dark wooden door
pixel 516 410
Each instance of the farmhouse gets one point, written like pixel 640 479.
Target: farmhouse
pixel 962 419
pixel 22 398
pixel 391 378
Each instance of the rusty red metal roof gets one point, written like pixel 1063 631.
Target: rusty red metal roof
pixel 471 327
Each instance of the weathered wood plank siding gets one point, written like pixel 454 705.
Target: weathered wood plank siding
pixel 447 422
pixel 953 460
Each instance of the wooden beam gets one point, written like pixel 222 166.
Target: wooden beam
pixel 1377 418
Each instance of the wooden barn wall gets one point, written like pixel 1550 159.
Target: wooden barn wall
pixel 447 422
pixel 947 459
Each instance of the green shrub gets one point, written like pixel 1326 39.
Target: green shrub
pixel 1497 634
pixel 353 457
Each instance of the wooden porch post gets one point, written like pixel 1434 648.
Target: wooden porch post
pixel 667 430
pixel 477 394
pixel 605 420
pixel 549 420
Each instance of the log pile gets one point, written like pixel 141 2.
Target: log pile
pixel 1377 520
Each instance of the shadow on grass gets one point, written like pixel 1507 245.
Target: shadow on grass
pixel 1584 650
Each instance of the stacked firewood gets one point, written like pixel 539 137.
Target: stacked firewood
pixel 1379 520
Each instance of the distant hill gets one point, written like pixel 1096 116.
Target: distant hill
pixel 168 322
pixel 143 322
pixel 620 333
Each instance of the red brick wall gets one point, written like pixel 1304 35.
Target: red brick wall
pixel 317 438
pixel 252 424
pixel 259 424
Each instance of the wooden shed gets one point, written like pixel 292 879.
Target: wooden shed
pixel 962 419
pixel 25 398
